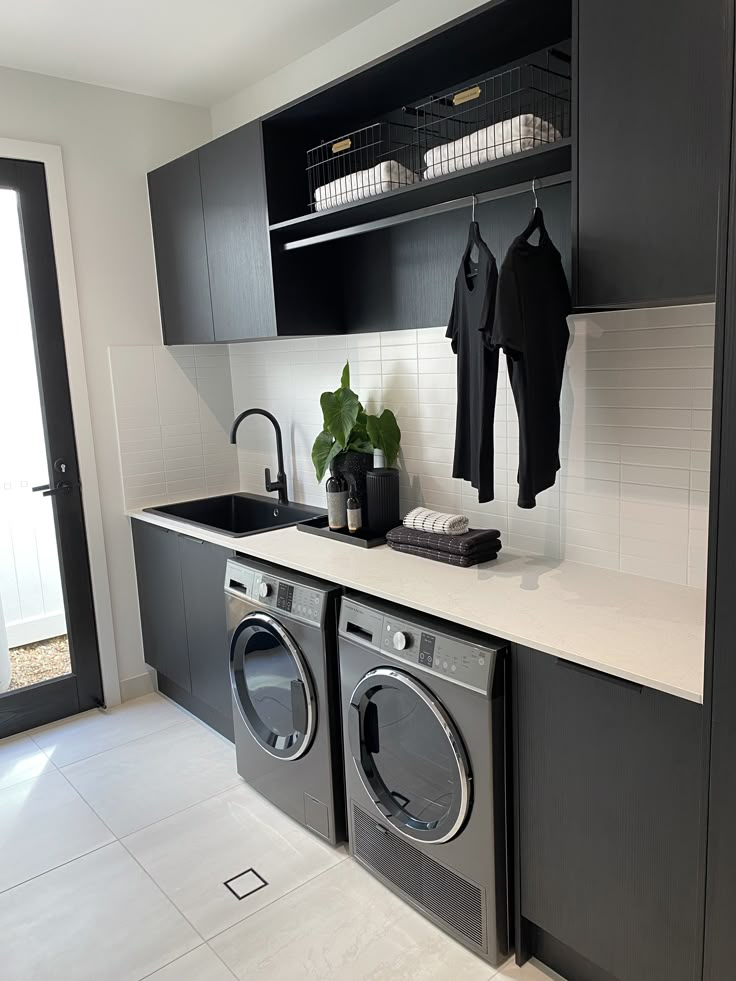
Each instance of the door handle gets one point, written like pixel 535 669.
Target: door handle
pixel 61 487
pixel 299 706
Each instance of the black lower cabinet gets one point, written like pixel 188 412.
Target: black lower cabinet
pixel 182 603
pixel 607 798
pixel 203 578
pixel 161 600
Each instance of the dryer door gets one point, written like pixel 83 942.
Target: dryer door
pixel 410 756
pixel 272 686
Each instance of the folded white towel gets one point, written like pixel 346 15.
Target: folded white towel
pixel 363 184
pixel 500 140
pixel 423 519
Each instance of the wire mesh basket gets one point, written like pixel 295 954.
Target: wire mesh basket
pixel 357 165
pixel 516 110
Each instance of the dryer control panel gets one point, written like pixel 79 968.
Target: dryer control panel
pixel 457 658
pixel 272 592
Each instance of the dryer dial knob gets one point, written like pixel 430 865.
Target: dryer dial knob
pixel 402 641
pixel 265 590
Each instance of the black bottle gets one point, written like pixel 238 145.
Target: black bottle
pixel 337 493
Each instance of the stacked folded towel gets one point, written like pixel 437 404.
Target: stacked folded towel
pixel 422 519
pixel 385 176
pixel 464 549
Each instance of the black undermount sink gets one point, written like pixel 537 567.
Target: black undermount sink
pixel 238 514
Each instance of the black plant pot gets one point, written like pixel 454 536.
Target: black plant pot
pixel 354 467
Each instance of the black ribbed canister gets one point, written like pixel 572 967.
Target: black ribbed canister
pixel 382 492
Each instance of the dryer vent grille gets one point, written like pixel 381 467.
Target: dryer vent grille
pixel 451 899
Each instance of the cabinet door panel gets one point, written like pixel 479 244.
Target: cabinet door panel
pixel 161 600
pixel 203 578
pixel 609 785
pixel 181 253
pixel 238 247
pixel 649 83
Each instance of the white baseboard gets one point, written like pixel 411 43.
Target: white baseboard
pixel 30 631
pixel 141 684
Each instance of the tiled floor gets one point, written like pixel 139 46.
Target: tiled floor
pixel 118 832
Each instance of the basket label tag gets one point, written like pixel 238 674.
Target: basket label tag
pixel 344 144
pixel 467 95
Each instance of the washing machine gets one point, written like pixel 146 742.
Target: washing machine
pixel 424 731
pixel 285 687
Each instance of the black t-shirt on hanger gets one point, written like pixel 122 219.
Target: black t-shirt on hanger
pixel 469 329
pixel 532 305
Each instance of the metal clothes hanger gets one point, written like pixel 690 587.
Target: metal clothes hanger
pixel 537 218
pixel 474 237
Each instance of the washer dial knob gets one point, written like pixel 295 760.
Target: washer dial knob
pixel 265 590
pixel 401 641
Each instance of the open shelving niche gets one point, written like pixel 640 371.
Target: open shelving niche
pixel 389 261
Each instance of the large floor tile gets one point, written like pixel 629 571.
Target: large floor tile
pixel 97 917
pixel 344 924
pixel 44 823
pixel 21 759
pixel 152 778
pixel 199 965
pixel 192 854
pixel 94 732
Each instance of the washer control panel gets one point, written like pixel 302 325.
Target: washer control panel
pixel 263 589
pixel 456 659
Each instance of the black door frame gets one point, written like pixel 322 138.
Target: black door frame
pixel 82 689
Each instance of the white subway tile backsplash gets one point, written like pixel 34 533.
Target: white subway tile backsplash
pixel 183 406
pixel 635 440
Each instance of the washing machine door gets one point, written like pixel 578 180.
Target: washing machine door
pixel 272 686
pixel 409 756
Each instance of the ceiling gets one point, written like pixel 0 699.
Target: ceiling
pixel 194 51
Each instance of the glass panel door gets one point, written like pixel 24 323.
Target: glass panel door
pixel 33 640
pixel 49 659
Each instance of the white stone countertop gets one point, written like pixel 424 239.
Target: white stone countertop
pixel 643 630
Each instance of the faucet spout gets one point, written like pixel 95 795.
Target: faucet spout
pixel 271 485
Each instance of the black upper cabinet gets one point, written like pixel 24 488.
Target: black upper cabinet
pixel 236 226
pixel 210 231
pixel 650 77
pixel 181 252
pixel 161 598
pixel 203 574
pixel 609 779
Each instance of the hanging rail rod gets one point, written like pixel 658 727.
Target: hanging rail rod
pixel 435 209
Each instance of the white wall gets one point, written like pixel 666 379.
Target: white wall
pixel 373 38
pixel 109 140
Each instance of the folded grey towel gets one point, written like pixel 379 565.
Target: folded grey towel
pixel 422 519
pixel 448 557
pixel 474 540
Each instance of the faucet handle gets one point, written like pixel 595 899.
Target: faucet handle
pixel 272 485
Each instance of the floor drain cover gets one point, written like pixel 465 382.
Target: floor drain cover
pixel 245 883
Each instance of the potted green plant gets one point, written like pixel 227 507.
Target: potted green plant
pixel 350 435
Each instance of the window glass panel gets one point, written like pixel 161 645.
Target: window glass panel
pixel 269 670
pixel 414 760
